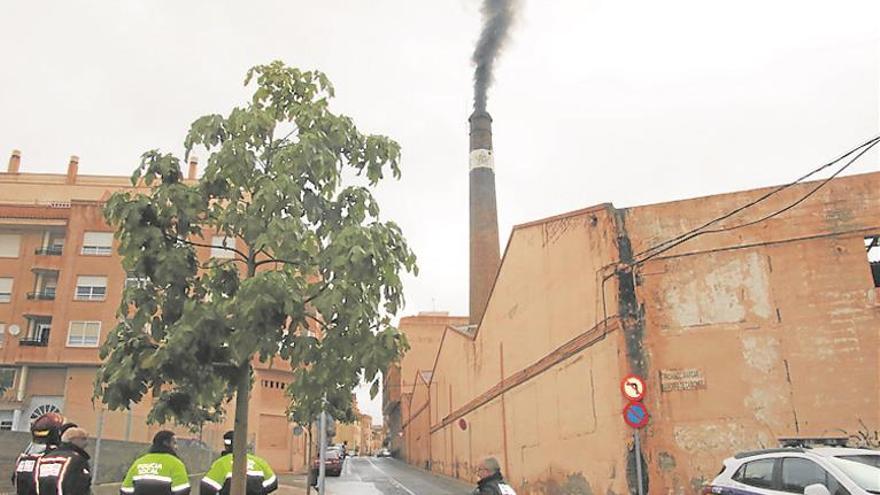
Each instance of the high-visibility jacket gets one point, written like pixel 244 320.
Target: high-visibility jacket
pixel 260 477
pixel 156 474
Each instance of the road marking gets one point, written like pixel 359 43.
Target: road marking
pixel 393 480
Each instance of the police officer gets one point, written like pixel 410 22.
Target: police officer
pixel 260 478
pixel 45 435
pixel 65 469
pixel 159 472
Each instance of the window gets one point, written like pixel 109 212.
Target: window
pixel 217 251
pixel 5 290
pixel 799 473
pixel 53 244
pixel 756 473
pixel 84 334
pixel 7 379
pixel 2 334
pixel 39 328
pixel 98 243
pixel 132 280
pixel 10 245
pixel 91 288
pixel 45 286
pixel 872 246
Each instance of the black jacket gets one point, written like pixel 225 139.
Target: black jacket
pixel 25 465
pixel 493 485
pixel 64 470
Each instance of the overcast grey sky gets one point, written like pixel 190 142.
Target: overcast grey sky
pixel 629 102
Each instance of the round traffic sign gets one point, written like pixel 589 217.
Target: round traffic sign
pixel 635 414
pixel 633 388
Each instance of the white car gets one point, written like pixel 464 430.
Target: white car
pixel 809 471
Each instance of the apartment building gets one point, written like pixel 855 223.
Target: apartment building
pixel 61 283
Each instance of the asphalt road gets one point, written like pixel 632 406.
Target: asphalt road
pixel 386 476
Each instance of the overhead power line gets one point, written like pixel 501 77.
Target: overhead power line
pixel 664 246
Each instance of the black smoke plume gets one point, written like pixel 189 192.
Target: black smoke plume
pixel 498 15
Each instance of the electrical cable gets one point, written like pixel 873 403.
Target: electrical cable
pixel 667 245
pixel 675 241
pixel 869 143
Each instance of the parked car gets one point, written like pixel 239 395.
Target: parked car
pixel 810 471
pixel 332 463
pixel 339 450
pixel 383 453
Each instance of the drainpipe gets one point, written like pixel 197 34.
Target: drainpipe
pixel 19 397
pixel 22 383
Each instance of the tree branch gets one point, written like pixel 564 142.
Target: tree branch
pixel 209 264
pixel 315 295
pixel 318 321
pixel 198 244
pixel 279 260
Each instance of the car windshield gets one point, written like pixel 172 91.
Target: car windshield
pixel 332 454
pixel 860 472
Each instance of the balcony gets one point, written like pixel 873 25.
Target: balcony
pixel 35 341
pixel 44 295
pixel 49 251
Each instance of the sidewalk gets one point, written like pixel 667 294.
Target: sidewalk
pixel 288 484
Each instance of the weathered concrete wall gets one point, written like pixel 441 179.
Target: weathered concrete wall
pixel 537 385
pixel 757 333
pixel 744 336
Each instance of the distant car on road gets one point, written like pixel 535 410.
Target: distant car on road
pixel 809 471
pixel 383 453
pixel 332 463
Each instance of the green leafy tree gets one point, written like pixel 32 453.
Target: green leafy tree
pixel 287 186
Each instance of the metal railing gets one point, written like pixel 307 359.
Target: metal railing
pixel 35 341
pixel 49 251
pixel 44 295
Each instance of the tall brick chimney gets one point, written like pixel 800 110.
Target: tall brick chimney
pixel 192 173
pixel 14 162
pixel 72 169
pixel 485 256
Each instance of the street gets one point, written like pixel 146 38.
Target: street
pixel 386 476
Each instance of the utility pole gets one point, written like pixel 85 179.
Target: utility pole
pixel 323 447
pixel 309 458
pixel 98 435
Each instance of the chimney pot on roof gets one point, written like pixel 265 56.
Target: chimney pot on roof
pixel 14 162
pixel 193 167
pixel 72 169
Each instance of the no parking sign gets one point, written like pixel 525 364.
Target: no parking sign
pixel 636 415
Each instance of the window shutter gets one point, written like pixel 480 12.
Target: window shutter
pixel 89 281
pixel 98 239
pixel 10 245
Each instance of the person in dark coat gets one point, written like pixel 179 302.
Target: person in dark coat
pixel 491 481
pixel 66 470
pixel 45 436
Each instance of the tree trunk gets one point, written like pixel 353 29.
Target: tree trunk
pixel 239 440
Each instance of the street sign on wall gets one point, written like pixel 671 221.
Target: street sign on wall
pixel 633 388
pixel 636 415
